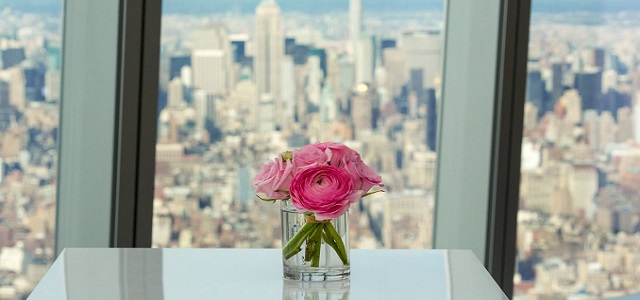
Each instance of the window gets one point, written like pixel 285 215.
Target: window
pixel 367 74
pixel 30 71
pixel 579 219
pixel 240 84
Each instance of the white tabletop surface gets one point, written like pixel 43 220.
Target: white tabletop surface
pixel 257 274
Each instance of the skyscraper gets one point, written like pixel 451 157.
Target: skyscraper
pixel 269 54
pixel 365 58
pixel 12 57
pixel 557 89
pixel 175 95
pixel 422 50
pixel 244 100
pixel 210 71
pixel 212 59
pixel 17 88
pixel 535 90
pixel 6 111
pixel 394 63
pixel 432 119
pixel 355 23
pixel 363 103
pixel 176 62
pixel 589 86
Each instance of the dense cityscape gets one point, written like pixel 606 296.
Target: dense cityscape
pixel 578 226
pixel 238 88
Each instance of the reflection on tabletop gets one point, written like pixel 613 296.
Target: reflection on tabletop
pixel 303 290
pixel 257 274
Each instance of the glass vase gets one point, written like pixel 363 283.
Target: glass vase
pixel 323 258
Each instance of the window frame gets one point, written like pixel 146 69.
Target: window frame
pixel 105 190
pixel 502 140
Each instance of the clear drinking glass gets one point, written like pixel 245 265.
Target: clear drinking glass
pixel 330 265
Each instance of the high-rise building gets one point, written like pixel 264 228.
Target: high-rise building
pixel 210 71
pixel 175 97
pixel 589 86
pixel 432 119
pixel 269 54
pixel 535 90
pixel 314 81
pixel 17 88
pixel 365 58
pixel 423 50
pixel 52 85
pixel 244 100
pixel 328 105
pixel 321 54
pixel 267 115
pixel 210 116
pixel 214 35
pixel 346 80
pixel 186 75
pixel 606 127
pixel 355 23
pixel 34 81
pixel 394 63
pixel 212 58
pixel 387 44
pixel 200 106
pixel 176 63
pixel 238 46
pixel 363 103
pixel 288 92
pixel 244 190
pixel 54 58
pixel 593 58
pixel 12 57
pixel 625 125
pixel 556 85
pixel 583 186
pixel 571 104
pixel 6 111
pixel 609 80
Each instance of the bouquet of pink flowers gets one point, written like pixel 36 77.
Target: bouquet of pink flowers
pixel 322 181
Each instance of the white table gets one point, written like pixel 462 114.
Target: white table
pixel 257 274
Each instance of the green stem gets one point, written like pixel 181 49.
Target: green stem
pixel 293 246
pixel 332 233
pixel 313 238
pixel 331 242
pixel 317 245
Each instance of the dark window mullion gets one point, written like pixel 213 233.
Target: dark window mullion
pixel 512 71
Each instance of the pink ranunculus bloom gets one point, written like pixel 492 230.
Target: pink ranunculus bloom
pixel 274 177
pixel 326 191
pixel 337 154
pixel 365 177
pixel 308 156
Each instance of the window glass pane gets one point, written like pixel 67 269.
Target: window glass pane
pixel 241 83
pixel 578 224
pixel 30 60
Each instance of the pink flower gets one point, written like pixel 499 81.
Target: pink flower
pixel 273 178
pixel 308 156
pixel 326 191
pixel 364 177
pixel 342 156
pixel 337 154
